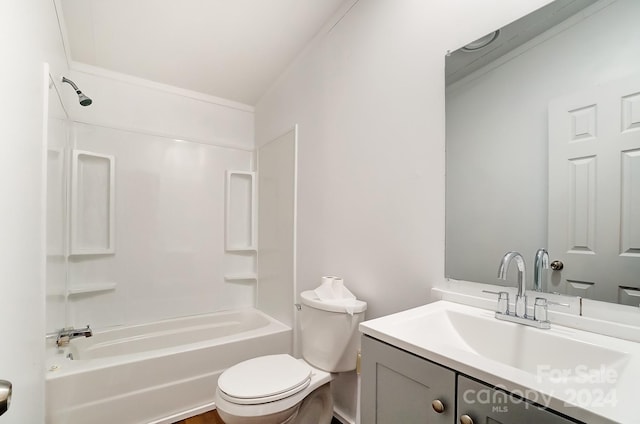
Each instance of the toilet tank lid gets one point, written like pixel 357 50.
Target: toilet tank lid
pixel 343 306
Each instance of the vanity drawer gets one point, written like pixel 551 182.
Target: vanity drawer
pixel 481 403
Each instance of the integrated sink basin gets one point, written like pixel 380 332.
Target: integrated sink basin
pixel 543 353
pixel 561 364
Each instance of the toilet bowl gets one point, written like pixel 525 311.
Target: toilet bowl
pixel 274 389
pixel 279 389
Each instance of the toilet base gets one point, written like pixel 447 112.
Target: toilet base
pixel 315 408
pixel 283 417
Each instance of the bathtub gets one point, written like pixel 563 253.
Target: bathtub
pixel 155 373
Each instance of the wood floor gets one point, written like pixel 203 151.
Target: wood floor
pixel 210 417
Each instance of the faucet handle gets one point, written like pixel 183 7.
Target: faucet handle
pixel 540 308
pixel 503 301
pixel 62 341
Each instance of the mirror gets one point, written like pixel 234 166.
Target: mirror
pixel 500 164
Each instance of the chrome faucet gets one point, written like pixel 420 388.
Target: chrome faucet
pixel 67 334
pixel 521 297
pixel 539 318
pixel 541 262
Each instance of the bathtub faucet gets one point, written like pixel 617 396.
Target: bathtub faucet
pixel 67 334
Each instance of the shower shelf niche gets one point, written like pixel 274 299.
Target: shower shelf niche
pixel 90 288
pixel 241 249
pixel 240 226
pixel 92 203
pixel 240 216
pixel 241 277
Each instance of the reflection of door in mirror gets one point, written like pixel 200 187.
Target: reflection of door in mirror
pixel 594 191
pixel 497 145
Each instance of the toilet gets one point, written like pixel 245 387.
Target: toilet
pixel 278 389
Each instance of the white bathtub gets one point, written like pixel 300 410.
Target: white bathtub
pixel 154 373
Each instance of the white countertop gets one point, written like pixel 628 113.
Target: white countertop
pixel 478 345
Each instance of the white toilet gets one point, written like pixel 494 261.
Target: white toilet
pixel 278 389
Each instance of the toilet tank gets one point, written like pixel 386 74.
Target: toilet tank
pixel 329 331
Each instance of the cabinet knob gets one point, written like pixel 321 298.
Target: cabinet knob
pixel 465 419
pixel 438 406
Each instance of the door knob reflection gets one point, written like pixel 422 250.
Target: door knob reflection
pixel 5 395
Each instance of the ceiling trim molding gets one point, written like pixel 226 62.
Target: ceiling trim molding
pixel 62 27
pixel 129 79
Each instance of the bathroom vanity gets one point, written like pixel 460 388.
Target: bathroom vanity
pixel 447 363
pixel 402 387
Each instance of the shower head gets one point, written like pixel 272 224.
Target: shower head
pixel 84 100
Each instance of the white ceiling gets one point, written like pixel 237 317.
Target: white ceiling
pixel 233 49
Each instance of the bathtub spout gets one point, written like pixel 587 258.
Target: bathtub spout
pixel 67 334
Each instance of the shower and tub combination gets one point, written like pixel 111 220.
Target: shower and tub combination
pixel 154 373
pixel 172 304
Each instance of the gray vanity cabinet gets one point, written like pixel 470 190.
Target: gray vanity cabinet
pixel 480 403
pixel 401 388
pixel 398 387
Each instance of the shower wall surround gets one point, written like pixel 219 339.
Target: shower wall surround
pixel 169 256
pixel 125 102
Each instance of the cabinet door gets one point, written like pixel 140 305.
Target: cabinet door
pixel 398 387
pixel 484 404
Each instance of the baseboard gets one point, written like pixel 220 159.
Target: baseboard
pixel 342 417
pixel 186 414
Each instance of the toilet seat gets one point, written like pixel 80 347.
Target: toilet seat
pixel 241 411
pixel 264 379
